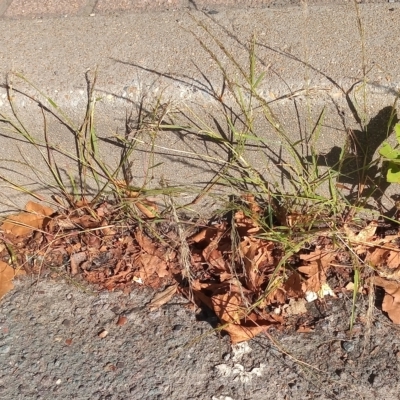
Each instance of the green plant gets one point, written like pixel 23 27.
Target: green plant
pixel 91 179
pixel 392 156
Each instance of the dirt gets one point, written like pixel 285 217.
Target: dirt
pixel 51 348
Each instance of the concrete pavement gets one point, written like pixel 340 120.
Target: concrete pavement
pixel 53 8
pixel 314 49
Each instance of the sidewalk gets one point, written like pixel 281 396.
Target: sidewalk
pixel 139 54
pixel 54 8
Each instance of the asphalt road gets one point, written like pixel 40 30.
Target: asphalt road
pixel 50 348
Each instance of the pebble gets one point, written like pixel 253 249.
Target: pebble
pixel 177 328
pixel 348 346
pixel 66 323
pixel 5 349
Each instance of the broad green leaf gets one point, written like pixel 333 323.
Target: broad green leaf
pixel 393 174
pixel 389 152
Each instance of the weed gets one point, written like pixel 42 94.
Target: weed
pixel 392 156
pixel 301 209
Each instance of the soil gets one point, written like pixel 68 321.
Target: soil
pixel 51 347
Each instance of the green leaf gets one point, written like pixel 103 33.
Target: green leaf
pixel 389 152
pixel 259 79
pixel 393 174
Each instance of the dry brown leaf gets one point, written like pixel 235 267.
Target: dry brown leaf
pixel 154 262
pixel 316 277
pixel 247 225
pixel 275 296
pixel 376 256
pixel 147 244
pixel 116 281
pixel 241 333
pixel 393 259
pixel 201 297
pixel 316 270
pixel 214 258
pixel 162 297
pixel 7 274
pixel 86 222
pixel 225 276
pixel 251 202
pixel 107 230
pixel 362 236
pixel 213 252
pixel 228 307
pixel 226 301
pixel 83 202
pixel 218 292
pixel 248 249
pixel 385 260
pixel 207 234
pixel 254 252
pixel 65 223
pixel 38 209
pixel 324 258
pixel 147 208
pixel 152 265
pixel 23 224
pixel 251 327
pixel 264 256
pixel 292 286
pixel 391 301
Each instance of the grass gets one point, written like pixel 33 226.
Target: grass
pixel 291 210
pixel 303 206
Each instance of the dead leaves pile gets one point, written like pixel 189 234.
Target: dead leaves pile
pixel 86 242
pixel 249 281
pixel 241 276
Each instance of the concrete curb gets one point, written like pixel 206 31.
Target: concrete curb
pixel 314 50
pixel 17 9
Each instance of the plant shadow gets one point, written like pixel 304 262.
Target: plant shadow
pixel 356 164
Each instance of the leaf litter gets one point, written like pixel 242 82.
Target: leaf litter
pixel 239 270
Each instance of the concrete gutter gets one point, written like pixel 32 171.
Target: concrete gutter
pixel 314 50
